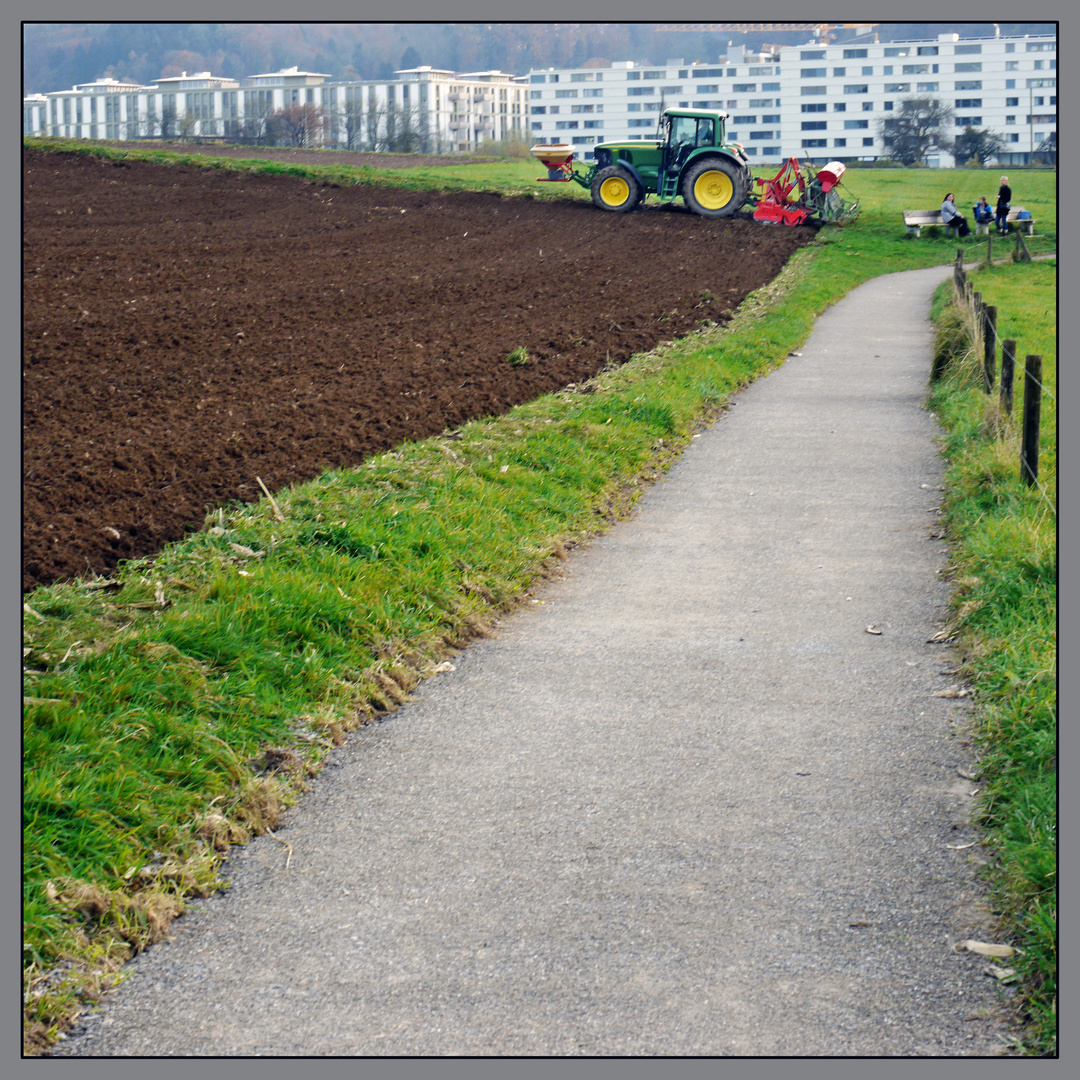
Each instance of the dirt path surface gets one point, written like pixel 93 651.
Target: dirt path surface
pixel 187 330
pixel 687 805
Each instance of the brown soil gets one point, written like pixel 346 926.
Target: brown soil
pixel 186 330
pixel 357 158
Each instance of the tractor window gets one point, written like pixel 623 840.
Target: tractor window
pixel 705 135
pixel 683 131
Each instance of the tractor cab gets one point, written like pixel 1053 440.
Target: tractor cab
pixel 681 134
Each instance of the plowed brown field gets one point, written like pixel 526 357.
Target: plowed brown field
pixel 186 330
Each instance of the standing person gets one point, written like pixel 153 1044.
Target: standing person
pixel 951 216
pixel 1004 204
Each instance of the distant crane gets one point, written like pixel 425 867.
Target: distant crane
pixel 821 31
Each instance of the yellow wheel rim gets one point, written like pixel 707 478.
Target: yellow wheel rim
pixel 614 191
pixel 714 189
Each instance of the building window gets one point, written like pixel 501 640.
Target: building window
pixel 838 72
pixel 640 91
pixel 977 66
pixel 1041 46
pixel 762 103
pixel 593 123
pixel 915 69
pixel 744 88
pixel 812 54
pixel 968 103
pixel 1012 138
pixel 771 119
pixel 867 106
pixel 757 136
pixel 905 51
pixel 592 93
pixel 566 125
pixel 814 125
pixel 812 91
pixel 839 142
pixel 633 76
pixel 898 88
pixel 639 123
pixel 537 78
pixel 967 50
pixel 868 141
pixel 813 73
pixel 538 110
pixel 744 119
pixel 536 95
pixel 1010 118
pixel 1012 65
pixel 775 86
pixel 854 54
pixel 810 144
pixel 927 50
pixel 574 94
pixel 839 106
pixel 655 74
pixel 815 107
pixel 926 87
pixel 583 76
pixel 968 121
pixel 854 125
pixel 968 84
pixel 858 88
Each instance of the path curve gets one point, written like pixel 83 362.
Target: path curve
pixel 687 805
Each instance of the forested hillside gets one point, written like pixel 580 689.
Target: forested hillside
pixel 60 55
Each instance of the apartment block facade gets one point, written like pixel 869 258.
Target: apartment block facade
pixel 423 109
pixel 816 101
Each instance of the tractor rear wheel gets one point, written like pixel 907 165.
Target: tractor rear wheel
pixel 714 188
pixel 615 188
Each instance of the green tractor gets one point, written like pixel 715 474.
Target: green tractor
pixel 690 157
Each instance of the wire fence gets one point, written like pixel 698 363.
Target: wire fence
pixel 984 338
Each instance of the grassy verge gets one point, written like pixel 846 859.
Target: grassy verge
pixel 179 707
pixel 1005 561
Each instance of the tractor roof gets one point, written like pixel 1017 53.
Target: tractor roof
pixel 714 113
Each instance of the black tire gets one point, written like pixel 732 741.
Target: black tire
pixel 714 187
pixel 615 188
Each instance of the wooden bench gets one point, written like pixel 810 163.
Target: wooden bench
pixel 917 220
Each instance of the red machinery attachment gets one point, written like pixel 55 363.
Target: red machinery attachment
pixel 559 159
pixel 784 199
pixel 792 197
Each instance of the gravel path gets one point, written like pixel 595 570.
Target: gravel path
pixel 687 805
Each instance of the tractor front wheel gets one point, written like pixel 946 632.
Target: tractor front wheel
pixel 714 188
pixel 615 188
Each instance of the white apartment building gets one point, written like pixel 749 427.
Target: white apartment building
pixel 812 101
pixel 441 112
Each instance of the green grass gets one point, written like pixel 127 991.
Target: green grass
pixel 1005 560
pixel 178 712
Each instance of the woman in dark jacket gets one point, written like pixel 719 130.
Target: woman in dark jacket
pixel 1004 203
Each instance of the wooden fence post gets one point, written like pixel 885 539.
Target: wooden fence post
pixel 989 324
pixel 1008 364
pixel 1029 448
pixel 989 252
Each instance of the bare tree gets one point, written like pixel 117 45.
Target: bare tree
pixel 298 125
pixel 978 145
pixel 186 125
pixel 915 129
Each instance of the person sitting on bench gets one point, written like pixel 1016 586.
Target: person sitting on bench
pixel 952 218
pixel 984 213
